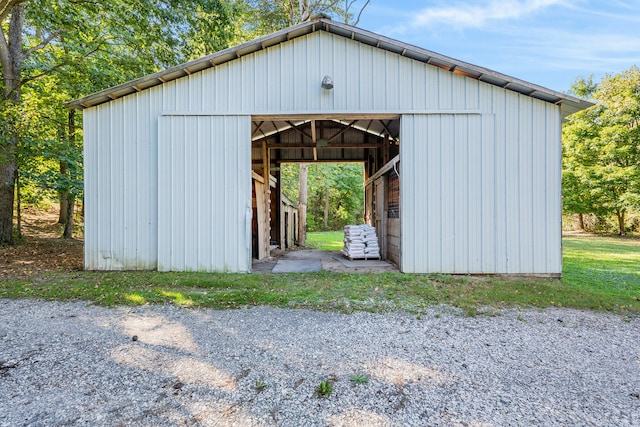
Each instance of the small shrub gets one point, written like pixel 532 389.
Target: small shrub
pixel 359 378
pixel 324 389
pixel 260 385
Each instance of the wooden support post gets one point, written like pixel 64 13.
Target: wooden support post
pixel 266 238
pixel 314 140
pixel 385 149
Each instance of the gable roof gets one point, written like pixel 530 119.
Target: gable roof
pixel 568 104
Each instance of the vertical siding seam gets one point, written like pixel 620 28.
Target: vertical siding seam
pixel 212 185
pixel 440 117
pixel 558 173
pixel 240 125
pixel 225 152
pixel 136 215
pixel 532 189
pixel 170 164
pixel 481 257
pixel 469 189
pixel 456 179
pixel 546 190
pixel 111 192
pixel 425 159
pixel 518 213
pixel 503 190
pixel 198 237
pixel 183 178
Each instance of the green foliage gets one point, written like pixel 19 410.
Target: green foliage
pixel 324 389
pixel 341 182
pixel 601 148
pixel 74 48
pixel 267 16
pixel 359 378
pixel 260 386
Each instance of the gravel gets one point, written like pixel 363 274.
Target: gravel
pixel 64 364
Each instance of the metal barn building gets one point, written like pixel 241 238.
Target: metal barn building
pixel 462 164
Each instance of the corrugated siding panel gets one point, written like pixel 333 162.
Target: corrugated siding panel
pixel 120 183
pixel 204 201
pixel 481 193
pixel 285 79
pixel 91 194
pixel 553 212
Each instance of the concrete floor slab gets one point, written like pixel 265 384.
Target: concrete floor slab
pixel 297 266
pixel 310 260
pixel 361 263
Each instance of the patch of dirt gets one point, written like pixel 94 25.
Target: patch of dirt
pixel 42 249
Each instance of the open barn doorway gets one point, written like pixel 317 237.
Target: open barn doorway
pixel 329 145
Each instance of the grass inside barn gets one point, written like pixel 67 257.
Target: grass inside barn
pixel 600 273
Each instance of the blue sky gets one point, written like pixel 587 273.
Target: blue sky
pixel 547 42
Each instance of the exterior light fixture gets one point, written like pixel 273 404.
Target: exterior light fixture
pixel 327 83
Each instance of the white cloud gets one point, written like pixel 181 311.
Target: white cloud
pixel 464 15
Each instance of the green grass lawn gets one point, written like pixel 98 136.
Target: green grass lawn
pixel 608 266
pixel 599 273
pixel 326 240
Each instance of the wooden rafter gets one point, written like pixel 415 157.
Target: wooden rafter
pixel 349 126
pixel 258 126
pixel 297 129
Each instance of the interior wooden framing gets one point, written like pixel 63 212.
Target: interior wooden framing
pixel 373 140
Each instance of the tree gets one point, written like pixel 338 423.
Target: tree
pixel 601 164
pixel 302 204
pixel 40 38
pixel 341 182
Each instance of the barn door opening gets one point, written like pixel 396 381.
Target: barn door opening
pixel 372 142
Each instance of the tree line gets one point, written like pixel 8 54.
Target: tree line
pixel 601 150
pixel 335 193
pixel 52 52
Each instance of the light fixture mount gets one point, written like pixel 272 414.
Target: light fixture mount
pixel 327 83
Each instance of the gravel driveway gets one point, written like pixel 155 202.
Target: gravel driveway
pixel 64 364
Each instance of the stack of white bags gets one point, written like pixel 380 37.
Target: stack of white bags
pixel 360 241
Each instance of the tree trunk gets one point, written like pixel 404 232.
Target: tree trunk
pixel 581 221
pixel 69 196
pixel 7 182
pixel 68 225
pixel 302 204
pixel 18 206
pixel 325 223
pixel 620 215
pixel 11 58
pixel 62 218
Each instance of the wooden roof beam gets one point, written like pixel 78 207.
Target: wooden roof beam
pixel 258 126
pixel 386 128
pixel 297 129
pixel 349 126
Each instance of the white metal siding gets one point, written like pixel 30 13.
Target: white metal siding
pixel 204 193
pixel 481 193
pixel 120 184
pixel 285 79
